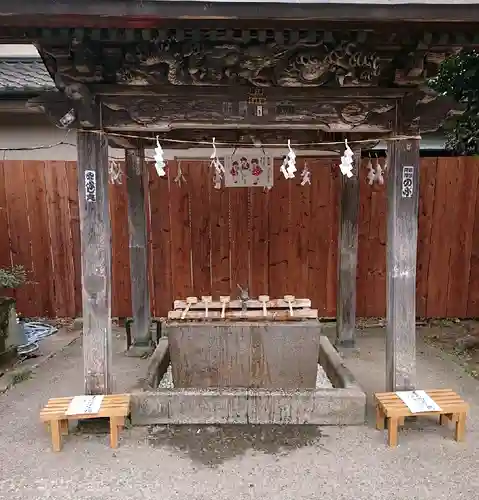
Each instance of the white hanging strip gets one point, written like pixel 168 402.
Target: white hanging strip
pixel 378 177
pixel 371 172
pixel 180 178
pixel 288 167
pixel 115 172
pixel 305 175
pixel 159 159
pixel 346 165
pixel 215 161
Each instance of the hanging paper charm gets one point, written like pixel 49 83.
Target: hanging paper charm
pixel 288 168
pixel 371 173
pixel 305 175
pixel 115 172
pixel 346 164
pixel 159 159
pixel 375 173
pixel 215 161
pixel 180 178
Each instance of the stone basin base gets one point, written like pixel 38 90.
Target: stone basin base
pixel 344 404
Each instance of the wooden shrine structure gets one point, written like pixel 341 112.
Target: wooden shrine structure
pixel 244 73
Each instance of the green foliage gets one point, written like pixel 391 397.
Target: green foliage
pixel 458 77
pixel 12 277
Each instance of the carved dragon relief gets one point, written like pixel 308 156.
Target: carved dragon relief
pixel 262 65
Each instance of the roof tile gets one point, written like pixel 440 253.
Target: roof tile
pixel 23 75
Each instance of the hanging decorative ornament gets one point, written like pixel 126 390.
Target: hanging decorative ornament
pixel 215 161
pixel 180 178
pixel 346 165
pixel 378 177
pixel 288 167
pixel 115 172
pixel 217 180
pixel 305 175
pixel 371 172
pixel 159 159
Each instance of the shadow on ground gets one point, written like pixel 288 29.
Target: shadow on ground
pixel 213 445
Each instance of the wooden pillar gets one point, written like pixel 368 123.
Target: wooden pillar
pixel 348 256
pixel 95 260
pixel 138 241
pixel 403 196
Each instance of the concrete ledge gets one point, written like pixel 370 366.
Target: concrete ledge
pixel 249 406
pixel 345 404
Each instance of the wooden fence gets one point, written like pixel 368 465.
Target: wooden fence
pixel 206 241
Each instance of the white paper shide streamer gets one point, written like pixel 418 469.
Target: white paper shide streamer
pixel 288 168
pixel 218 166
pixel 375 173
pixel 346 165
pixel 305 176
pixel 159 159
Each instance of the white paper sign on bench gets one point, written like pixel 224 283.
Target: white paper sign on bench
pixel 418 401
pixel 84 405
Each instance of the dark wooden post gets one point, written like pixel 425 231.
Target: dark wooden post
pixel 403 196
pixel 140 298
pixel 347 256
pixel 95 260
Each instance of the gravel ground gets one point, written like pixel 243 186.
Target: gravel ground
pixel 238 463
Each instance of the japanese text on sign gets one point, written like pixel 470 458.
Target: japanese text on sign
pixel 90 186
pixel 407 182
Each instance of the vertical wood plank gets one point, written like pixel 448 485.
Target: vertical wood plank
pixel 298 236
pixel 40 237
pixel 199 190
pixel 96 262
pixel 376 291
pixel 401 265
pixel 441 241
pixel 120 264
pixel 319 237
pixel 279 219
pixel 63 288
pixel 161 242
pixel 348 256
pixel 427 187
pixel 19 229
pixel 138 245
pixel 180 220
pixel 364 220
pixel 5 256
pixel 473 291
pixel 64 223
pixel 220 243
pixel 332 273
pixel 460 259
pixel 259 242
pixel 240 238
pixel 71 169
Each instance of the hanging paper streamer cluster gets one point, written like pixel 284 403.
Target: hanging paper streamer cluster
pixel 288 168
pixel 159 159
pixel 115 172
pixel 346 165
pixel 375 173
pixel 218 166
pixel 305 175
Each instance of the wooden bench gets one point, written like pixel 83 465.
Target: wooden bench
pixel 115 407
pixel 390 407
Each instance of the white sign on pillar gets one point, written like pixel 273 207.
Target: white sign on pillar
pixel 90 186
pixel 407 187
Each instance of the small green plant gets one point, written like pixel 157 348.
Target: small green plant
pixel 12 277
